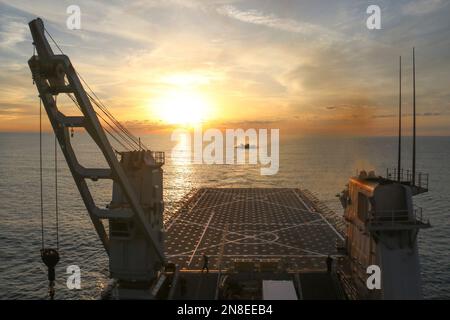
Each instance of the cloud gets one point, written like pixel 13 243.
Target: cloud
pixel 159 126
pixel 245 124
pixel 10 110
pixel 384 116
pixel 270 20
pixel 12 32
pixel 422 7
pixel 424 114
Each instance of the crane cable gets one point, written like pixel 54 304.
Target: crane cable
pixel 42 183
pixel 40 174
pixel 126 135
pixel 56 192
pixel 107 113
pixel 132 140
pixel 107 131
pixel 49 256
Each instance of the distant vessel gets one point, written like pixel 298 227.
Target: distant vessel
pixel 244 146
pixel 256 243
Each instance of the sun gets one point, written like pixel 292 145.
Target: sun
pixel 182 107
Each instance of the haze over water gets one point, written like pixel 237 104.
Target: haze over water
pixel 320 164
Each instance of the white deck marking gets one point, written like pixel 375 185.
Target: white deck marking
pixel 220 204
pixel 285 206
pixel 326 221
pixel 249 230
pixel 244 237
pixel 286 226
pixel 179 214
pixel 201 237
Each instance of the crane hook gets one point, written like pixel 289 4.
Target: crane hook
pixel 50 257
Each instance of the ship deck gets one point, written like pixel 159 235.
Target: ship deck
pixel 235 225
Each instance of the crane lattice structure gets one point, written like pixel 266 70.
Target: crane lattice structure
pixel 135 240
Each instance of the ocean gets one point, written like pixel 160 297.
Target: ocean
pixel 320 164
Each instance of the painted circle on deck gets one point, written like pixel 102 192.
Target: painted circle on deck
pixel 252 237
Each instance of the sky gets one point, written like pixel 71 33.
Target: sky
pixel 306 67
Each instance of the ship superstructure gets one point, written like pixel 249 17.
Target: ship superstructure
pixel 382 229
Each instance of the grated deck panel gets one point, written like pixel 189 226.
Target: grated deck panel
pixel 253 224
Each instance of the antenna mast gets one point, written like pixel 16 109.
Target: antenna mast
pixel 414 121
pixel 399 122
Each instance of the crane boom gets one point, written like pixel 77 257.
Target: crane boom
pixel 135 240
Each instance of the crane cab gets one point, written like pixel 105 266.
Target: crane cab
pixel 132 258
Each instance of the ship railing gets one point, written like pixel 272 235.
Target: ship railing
pixel 343 273
pixel 159 157
pixel 398 218
pixel 420 180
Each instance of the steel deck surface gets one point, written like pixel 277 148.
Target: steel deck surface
pixel 251 224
